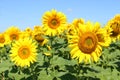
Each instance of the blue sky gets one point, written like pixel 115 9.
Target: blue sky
pixel 28 13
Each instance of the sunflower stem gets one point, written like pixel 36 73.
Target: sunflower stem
pixel 78 71
pixel 32 72
pixel 51 42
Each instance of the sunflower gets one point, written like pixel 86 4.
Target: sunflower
pixel 27 32
pixel 76 22
pixel 23 52
pixel 105 40
pixel 12 33
pixel 114 24
pixel 38 34
pixel 87 44
pixel 71 27
pixel 53 22
pixel 3 40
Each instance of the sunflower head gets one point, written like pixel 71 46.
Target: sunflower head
pixel 38 35
pixel 53 22
pixel 38 28
pixel 27 32
pixel 3 40
pixel 75 25
pixel 114 24
pixel 70 29
pixel 13 33
pixel 23 52
pixel 40 39
pixel 87 42
pixel 76 22
pixel 104 39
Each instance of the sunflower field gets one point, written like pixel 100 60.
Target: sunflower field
pixel 58 50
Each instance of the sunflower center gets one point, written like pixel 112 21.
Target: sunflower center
pixel 24 52
pixel 116 29
pixel 88 42
pixel 39 38
pixel 2 40
pixel 14 37
pixel 54 23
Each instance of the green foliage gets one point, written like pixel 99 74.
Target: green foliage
pixel 59 65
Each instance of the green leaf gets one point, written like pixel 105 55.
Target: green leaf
pixel 40 58
pixel 44 76
pixel 17 76
pixel 5 65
